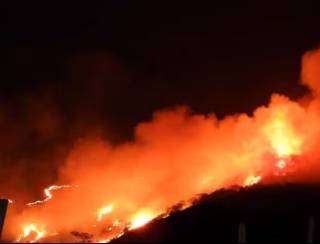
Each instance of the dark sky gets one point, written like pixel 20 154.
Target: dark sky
pixel 117 61
pixel 70 69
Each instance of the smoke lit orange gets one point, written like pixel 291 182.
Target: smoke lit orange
pixel 172 158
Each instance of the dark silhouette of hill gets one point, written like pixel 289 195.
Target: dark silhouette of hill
pixel 270 213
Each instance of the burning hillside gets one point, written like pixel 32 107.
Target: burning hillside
pixel 273 213
pixel 104 189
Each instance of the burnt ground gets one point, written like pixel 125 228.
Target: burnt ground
pixel 270 213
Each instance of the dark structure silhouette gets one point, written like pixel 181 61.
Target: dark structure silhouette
pixel 3 210
pixel 278 213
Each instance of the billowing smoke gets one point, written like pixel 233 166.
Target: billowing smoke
pixel 310 71
pixel 172 158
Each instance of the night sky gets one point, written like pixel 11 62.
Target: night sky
pixel 68 67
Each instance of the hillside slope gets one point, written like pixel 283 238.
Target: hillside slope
pixel 270 213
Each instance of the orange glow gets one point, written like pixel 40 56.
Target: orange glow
pixel 281 164
pixel 252 180
pixel 48 194
pixel 104 211
pixel 172 158
pixel 282 136
pixel 141 218
pixel 30 230
pixel 104 241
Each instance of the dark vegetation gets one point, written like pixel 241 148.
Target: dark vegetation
pixel 270 213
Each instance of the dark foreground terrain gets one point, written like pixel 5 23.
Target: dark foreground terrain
pixel 270 213
pixel 3 208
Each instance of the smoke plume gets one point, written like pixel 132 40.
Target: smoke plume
pixel 172 158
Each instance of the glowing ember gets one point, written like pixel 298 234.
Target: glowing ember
pixel 33 232
pixel 252 180
pixel 141 218
pixel 281 164
pixel 104 211
pixel 48 194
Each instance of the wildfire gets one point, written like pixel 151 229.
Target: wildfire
pixel 252 180
pixel 33 233
pixel 48 194
pixel 104 211
pixel 283 138
pixel 172 158
pixel 141 218
pixel 104 241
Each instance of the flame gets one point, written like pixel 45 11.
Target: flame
pixel 104 211
pixel 282 136
pixel 252 180
pixel 174 157
pixel 104 241
pixel 48 194
pixel 28 230
pixel 141 218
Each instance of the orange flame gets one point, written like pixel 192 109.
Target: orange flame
pixel 48 194
pixel 141 218
pixel 103 211
pixel 252 180
pixel 176 156
pixel 30 229
pixel 282 136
